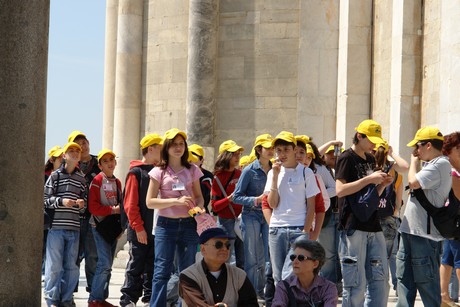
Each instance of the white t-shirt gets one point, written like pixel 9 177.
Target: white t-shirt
pixel 436 181
pixel 293 189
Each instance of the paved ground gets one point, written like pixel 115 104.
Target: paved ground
pixel 81 297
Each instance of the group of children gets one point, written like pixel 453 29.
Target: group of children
pixel 284 189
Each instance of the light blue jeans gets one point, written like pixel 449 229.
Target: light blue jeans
pixel 236 245
pixel 101 280
pixel 280 241
pixel 61 270
pixel 329 239
pixel 417 268
pixel 363 258
pixel 173 237
pixel 255 238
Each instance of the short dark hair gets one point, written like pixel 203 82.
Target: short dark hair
pixel 316 250
pixel 355 137
pixel 280 142
pixel 437 144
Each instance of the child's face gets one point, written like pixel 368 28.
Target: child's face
pixel 285 153
pixel 301 155
pixel 235 160
pixel 177 147
pixel 73 155
pixel 84 144
pixel 107 164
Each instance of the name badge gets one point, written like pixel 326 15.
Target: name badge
pixel 107 187
pixel 178 186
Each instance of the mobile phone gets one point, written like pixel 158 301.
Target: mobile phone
pixel 388 168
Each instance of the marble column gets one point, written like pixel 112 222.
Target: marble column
pixel 354 66
pixel 24 27
pixel 202 71
pixel 441 65
pixel 111 25
pixel 397 62
pixel 126 132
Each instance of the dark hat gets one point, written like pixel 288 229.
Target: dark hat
pixel 214 233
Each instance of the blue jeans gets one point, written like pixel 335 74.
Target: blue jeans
pixel 171 236
pixel 392 262
pixel 364 264
pixel 101 280
pixel 61 270
pixel 417 268
pixel 237 245
pixel 280 240
pixel 329 239
pixel 88 251
pixel 255 238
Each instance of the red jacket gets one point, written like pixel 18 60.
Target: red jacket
pixel 220 203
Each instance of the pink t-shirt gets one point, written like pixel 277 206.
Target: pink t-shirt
pixel 175 185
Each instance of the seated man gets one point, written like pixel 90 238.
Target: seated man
pixel 212 282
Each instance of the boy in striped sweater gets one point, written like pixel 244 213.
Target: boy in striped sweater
pixel 65 193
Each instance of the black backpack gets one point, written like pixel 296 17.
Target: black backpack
pixel 446 219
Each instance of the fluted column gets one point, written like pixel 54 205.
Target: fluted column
pixel 24 27
pixel 111 23
pixel 354 66
pixel 201 78
pixel 126 132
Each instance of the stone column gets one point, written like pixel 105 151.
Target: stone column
pixel 202 72
pixel 396 81
pixel 354 66
pixel 126 132
pixel 24 27
pixel 318 52
pixel 441 65
pixel 111 23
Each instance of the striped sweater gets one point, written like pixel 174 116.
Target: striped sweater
pixel 62 185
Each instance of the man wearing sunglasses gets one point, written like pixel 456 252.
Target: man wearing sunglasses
pixel 213 282
pixel 417 261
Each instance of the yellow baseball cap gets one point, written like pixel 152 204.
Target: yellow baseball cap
pixel 309 150
pixel 74 134
pixel 426 133
pixel 171 134
pixel 332 148
pixel 103 152
pixel 384 144
pixel 229 146
pixel 55 151
pixel 196 150
pixel 303 138
pixel 151 139
pixel 191 157
pixel 265 140
pixel 371 129
pixel 71 144
pixel 285 136
pixel 244 160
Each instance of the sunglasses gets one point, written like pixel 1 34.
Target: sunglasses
pixel 419 144
pixel 301 258
pixel 220 244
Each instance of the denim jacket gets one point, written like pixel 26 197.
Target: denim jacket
pixel 250 186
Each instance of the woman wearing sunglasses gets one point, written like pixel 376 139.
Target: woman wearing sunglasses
pixel 305 287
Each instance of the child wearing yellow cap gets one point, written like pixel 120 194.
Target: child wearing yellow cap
pixel 104 205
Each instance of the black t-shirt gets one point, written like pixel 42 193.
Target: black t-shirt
pixel 351 167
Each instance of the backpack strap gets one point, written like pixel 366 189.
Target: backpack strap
pixel 425 203
pixel 224 193
pixel 291 297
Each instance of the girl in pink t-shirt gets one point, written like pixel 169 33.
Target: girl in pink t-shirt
pixel 174 189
